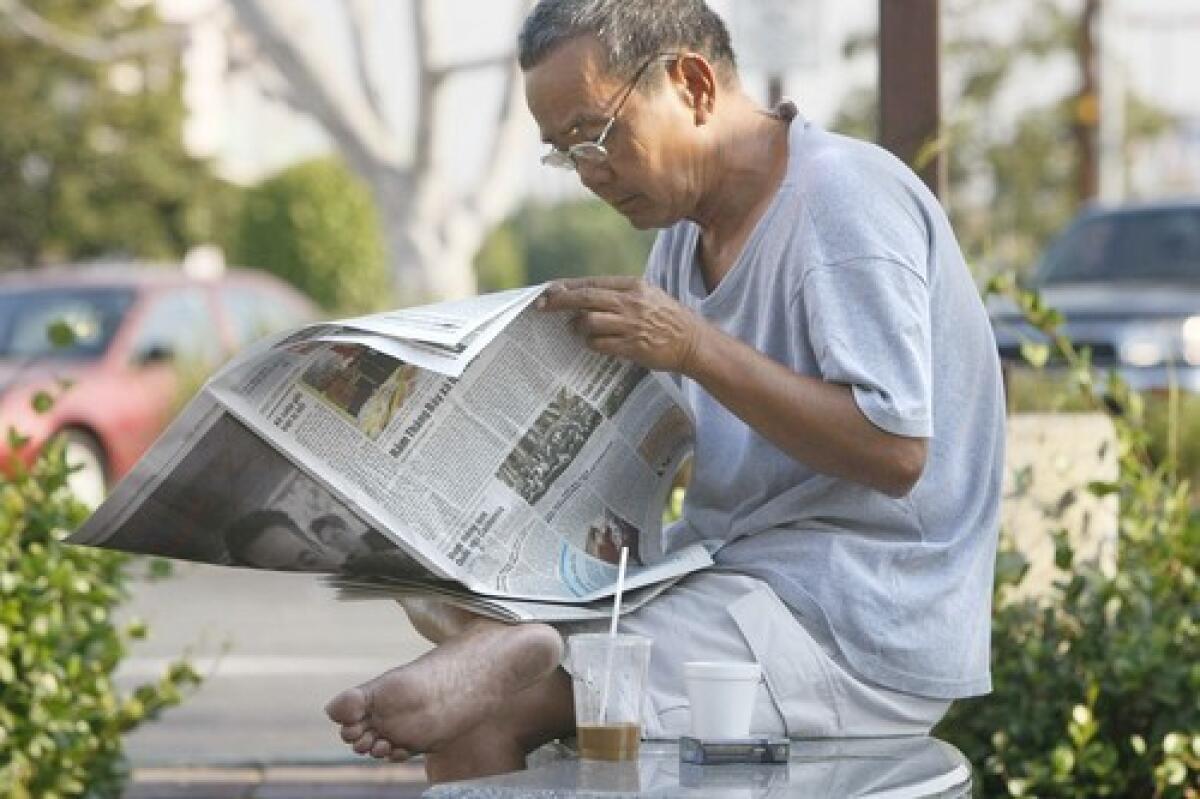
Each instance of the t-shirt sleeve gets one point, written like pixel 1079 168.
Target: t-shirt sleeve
pixel 869 325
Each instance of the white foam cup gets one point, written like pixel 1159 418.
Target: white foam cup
pixel 722 697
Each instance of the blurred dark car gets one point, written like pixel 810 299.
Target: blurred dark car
pixel 1127 281
pixel 141 335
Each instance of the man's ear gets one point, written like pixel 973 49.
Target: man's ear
pixel 696 82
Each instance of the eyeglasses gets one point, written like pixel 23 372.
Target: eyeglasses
pixel 594 153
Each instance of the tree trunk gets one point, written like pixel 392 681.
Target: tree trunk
pixel 431 240
pixel 431 235
pixel 405 259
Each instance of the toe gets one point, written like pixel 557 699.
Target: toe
pixel 348 707
pixel 364 743
pixel 382 749
pixel 399 755
pixel 352 732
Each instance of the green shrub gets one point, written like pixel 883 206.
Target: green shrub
pixel 573 239
pixel 315 225
pixel 1097 691
pixel 61 717
pixel 1171 419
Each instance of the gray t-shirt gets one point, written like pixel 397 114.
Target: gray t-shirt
pixel 854 275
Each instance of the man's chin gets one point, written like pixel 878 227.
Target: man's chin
pixel 642 218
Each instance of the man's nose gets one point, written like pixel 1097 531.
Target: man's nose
pixel 593 175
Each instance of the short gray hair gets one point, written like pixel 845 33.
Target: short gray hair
pixel 631 32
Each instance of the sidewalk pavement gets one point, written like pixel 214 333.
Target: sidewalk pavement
pixel 267 781
pixel 273 648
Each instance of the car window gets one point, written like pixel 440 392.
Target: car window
pixel 92 314
pixel 1147 245
pixel 180 323
pixel 255 312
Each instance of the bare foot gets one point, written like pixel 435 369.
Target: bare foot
pixel 440 696
pixel 487 750
pixel 497 745
pixel 435 620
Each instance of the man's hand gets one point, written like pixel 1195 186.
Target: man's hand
pixel 629 318
pixel 816 422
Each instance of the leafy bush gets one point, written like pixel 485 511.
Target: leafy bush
pixel 1097 691
pixel 573 239
pixel 88 168
pixel 1173 427
pixel 315 226
pixel 61 717
pixel 1171 419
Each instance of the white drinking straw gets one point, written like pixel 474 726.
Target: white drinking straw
pixel 612 633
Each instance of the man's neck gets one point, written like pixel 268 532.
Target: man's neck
pixel 747 165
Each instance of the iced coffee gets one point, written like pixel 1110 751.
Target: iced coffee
pixel 608 677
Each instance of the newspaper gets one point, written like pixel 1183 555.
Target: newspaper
pixel 475 451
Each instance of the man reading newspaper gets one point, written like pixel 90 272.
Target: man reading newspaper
pixel 809 296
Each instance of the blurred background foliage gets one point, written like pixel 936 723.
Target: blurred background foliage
pixel 1171 419
pixel 1012 176
pixel 314 225
pixel 94 166
pixel 580 238
pixel 92 163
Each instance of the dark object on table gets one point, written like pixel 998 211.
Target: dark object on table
pixel 712 752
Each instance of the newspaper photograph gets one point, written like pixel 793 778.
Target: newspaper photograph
pixel 520 475
pixel 231 499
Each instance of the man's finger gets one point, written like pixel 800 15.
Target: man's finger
pixel 616 346
pixel 601 323
pixel 615 282
pixel 586 298
pixel 558 294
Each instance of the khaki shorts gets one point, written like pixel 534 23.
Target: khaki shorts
pixel 805 694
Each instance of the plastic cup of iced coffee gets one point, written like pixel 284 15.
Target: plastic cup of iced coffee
pixel 608 678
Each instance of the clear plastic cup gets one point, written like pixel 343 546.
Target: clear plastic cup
pixel 612 729
pixel 722 697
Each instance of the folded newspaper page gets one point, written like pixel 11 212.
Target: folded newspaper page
pixel 475 451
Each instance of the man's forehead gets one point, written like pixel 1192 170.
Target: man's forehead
pixel 570 88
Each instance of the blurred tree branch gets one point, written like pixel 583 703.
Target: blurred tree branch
pixel 432 232
pixel 358 17
pixel 307 73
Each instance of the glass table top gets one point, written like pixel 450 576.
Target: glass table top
pixel 880 768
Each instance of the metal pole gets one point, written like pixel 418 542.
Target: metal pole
pixel 1087 104
pixel 910 87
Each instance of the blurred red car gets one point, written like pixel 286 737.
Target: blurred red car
pixel 140 333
